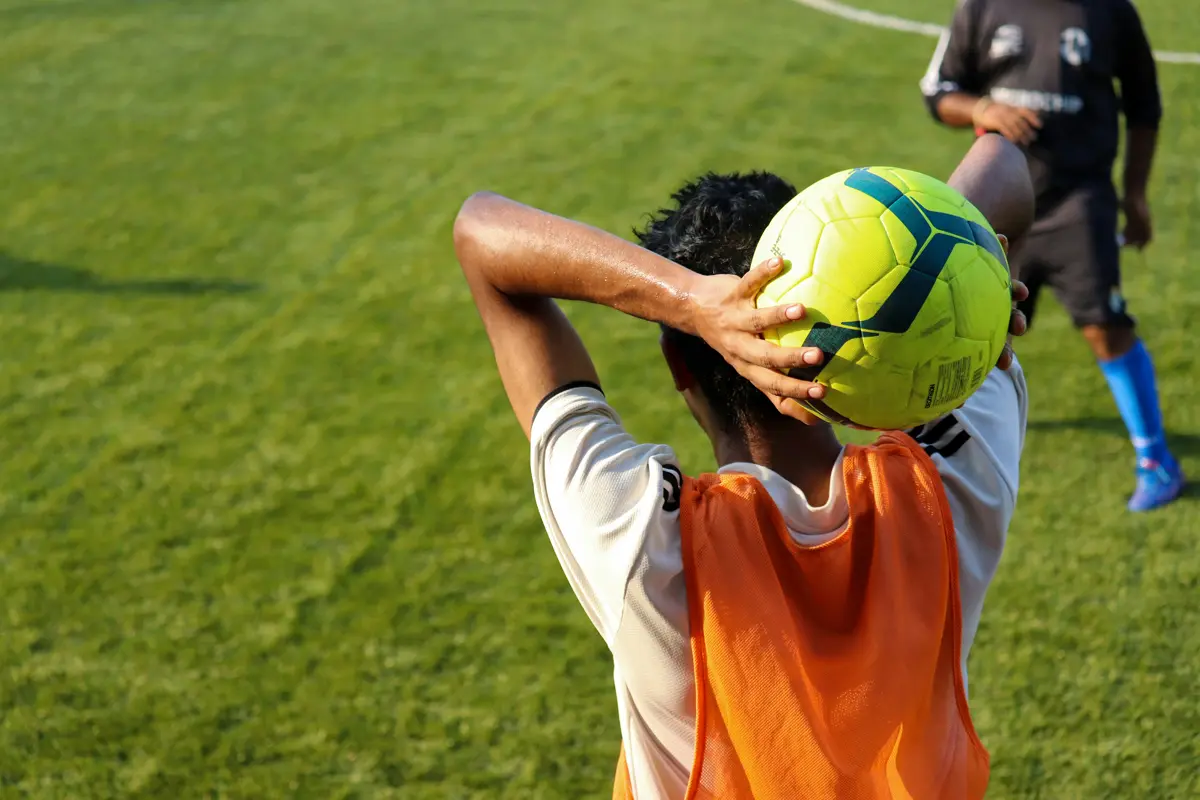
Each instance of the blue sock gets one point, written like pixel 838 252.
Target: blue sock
pixel 1131 379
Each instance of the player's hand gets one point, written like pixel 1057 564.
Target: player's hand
pixel 1138 230
pixel 728 320
pixel 1018 125
pixel 1017 324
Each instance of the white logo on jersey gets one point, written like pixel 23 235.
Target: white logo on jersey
pixel 1076 47
pixel 1038 101
pixel 1009 41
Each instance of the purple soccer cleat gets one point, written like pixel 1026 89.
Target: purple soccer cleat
pixel 1158 483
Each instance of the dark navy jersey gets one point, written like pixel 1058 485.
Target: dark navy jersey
pixel 1060 58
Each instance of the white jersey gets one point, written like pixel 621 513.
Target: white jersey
pixel 611 507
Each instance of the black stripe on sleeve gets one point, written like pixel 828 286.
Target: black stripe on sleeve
pixel 950 449
pixel 673 489
pixel 566 387
pixel 946 436
pixel 931 435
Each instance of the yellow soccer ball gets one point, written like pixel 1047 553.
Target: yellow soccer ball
pixel 907 293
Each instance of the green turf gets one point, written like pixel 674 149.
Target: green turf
pixel 265 519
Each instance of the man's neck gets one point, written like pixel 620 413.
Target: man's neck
pixel 804 455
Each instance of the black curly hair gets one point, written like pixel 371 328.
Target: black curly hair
pixel 713 231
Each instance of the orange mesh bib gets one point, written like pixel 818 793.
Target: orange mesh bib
pixel 831 671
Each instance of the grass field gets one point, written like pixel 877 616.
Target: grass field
pixel 265 520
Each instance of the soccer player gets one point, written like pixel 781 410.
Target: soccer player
pixel 1041 73
pixel 797 624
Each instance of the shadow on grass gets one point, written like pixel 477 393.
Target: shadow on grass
pixel 18 274
pixel 1183 445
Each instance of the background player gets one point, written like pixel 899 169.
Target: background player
pixel 623 519
pixel 1041 73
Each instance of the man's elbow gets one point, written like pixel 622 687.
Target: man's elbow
pixel 933 104
pixel 996 148
pixel 942 100
pixel 995 176
pixel 1021 210
pixel 470 226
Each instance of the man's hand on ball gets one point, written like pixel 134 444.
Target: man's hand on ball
pixel 1017 325
pixel 727 318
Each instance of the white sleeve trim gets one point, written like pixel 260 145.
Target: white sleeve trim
pixel 932 83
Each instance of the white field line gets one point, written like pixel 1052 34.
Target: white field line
pixel 891 23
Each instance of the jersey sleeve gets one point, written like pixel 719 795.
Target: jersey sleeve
pixel 954 66
pixel 1141 99
pixel 603 499
pixel 977 452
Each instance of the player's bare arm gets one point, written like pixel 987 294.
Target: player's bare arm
pixel 964 110
pixel 1140 145
pixel 994 176
pixel 517 259
pixel 955 85
pixel 1142 104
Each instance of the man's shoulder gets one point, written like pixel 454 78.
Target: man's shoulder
pixel 581 448
pixel 609 503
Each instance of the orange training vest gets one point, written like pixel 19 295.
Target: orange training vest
pixel 829 671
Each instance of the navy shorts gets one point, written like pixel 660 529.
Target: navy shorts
pixel 1072 247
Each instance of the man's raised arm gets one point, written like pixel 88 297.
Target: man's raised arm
pixel 994 176
pixel 517 260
